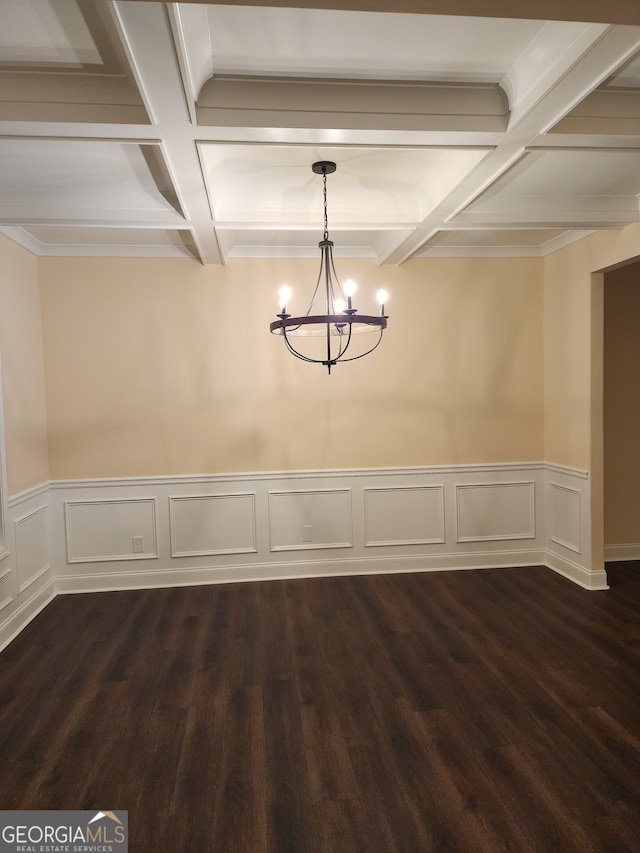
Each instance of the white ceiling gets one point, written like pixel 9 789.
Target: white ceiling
pixel 166 130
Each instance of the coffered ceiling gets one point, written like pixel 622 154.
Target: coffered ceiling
pixel 156 129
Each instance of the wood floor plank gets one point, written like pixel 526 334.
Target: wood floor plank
pixel 480 711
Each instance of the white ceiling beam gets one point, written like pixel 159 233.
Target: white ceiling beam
pixel 141 134
pixel 121 219
pixel 553 141
pixel 540 217
pixel 614 11
pixel 348 137
pixel 146 35
pixel 149 134
pixel 546 59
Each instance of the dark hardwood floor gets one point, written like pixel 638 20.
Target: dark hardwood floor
pixel 468 711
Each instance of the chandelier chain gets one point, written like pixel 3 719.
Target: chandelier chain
pixel 324 191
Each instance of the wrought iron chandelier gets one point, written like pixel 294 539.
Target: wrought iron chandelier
pixel 341 320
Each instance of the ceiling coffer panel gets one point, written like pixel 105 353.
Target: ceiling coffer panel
pixel 274 185
pixel 63 61
pixel 80 241
pixel 580 189
pixel 606 111
pixel 73 181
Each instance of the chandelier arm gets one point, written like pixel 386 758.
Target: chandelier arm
pixel 333 358
pixel 327 362
pixel 328 286
pixel 315 289
pixel 362 354
pixel 335 274
pixel 297 354
pixel 328 337
pixel 343 349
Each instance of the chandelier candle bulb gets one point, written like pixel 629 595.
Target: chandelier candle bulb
pixel 382 298
pixel 349 289
pixel 285 293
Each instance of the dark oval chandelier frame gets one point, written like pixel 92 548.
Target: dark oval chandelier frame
pixel 336 326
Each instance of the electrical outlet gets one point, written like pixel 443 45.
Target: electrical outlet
pixel 307 533
pixel 137 544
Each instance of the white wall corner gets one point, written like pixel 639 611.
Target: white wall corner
pixel 592 580
pixel 20 616
pixel 568 527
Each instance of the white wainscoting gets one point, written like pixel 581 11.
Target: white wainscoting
pixel 106 530
pixel 568 514
pixel 27 582
pixel 6 588
pixel 310 519
pixel 32 546
pixel 207 525
pixel 240 527
pixel 404 515
pixel 488 512
pixel 108 534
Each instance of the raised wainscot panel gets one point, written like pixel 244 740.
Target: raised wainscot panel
pixel 404 515
pixel 495 511
pixel 32 551
pixel 212 524
pixel 118 529
pixel 312 518
pixel 6 587
pixel 564 518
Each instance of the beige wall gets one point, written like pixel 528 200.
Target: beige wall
pixel 167 367
pixel 22 368
pixel 622 406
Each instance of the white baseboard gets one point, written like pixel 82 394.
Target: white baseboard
pixel 618 553
pixel 196 576
pixel 20 618
pixel 578 574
